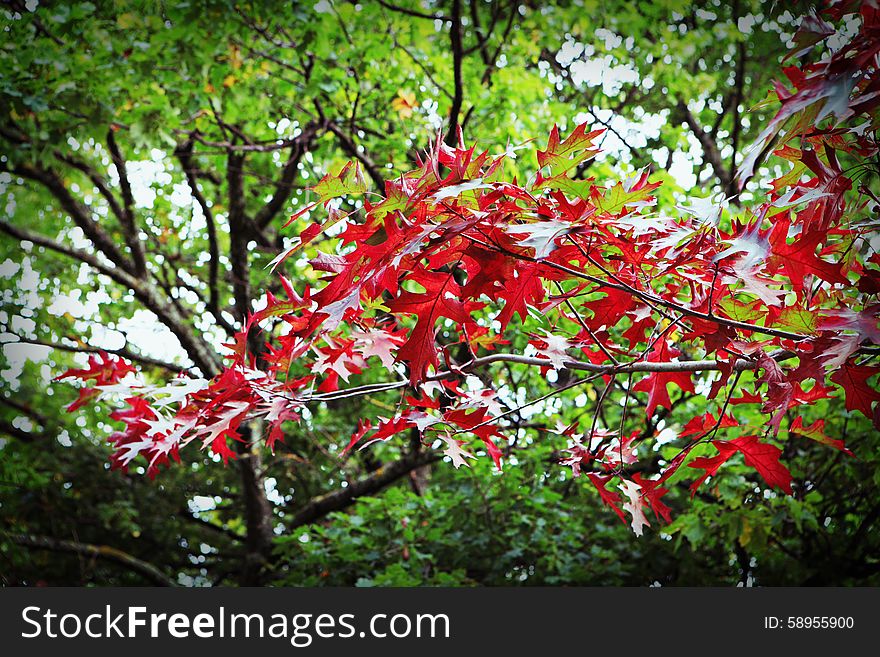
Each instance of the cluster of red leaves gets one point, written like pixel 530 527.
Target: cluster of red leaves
pixel 102 370
pixel 455 253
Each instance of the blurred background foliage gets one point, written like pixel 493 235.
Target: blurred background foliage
pixel 675 83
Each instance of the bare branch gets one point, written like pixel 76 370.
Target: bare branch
pixel 226 146
pixel 26 409
pixel 637 153
pixel 146 570
pixel 207 524
pixel 345 497
pixel 482 39
pixel 570 364
pixel 710 148
pixel 262 31
pixel 413 12
pixel 283 187
pixel 96 179
pixel 119 275
pixel 20 434
pixel 487 74
pixel 78 212
pixel 457 57
pixel 197 349
pixel 184 155
pixel 127 218
pixel 124 352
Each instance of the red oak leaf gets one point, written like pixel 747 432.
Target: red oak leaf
pixel 652 493
pixel 799 258
pixel 102 369
pixel 816 431
pixel 525 288
pixel 440 299
pixel 761 456
pixel 563 156
pixel 854 380
pixel 609 497
pixel 705 423
pixel 608 310
pixel 655 384
pixel 765 459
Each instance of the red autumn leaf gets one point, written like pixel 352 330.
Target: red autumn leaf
pixel 655 384
pixel 609 497
pixel 761 456
pixel 799 258
pixel 816 431
pixel 525 288
pixel 477 423
pixel 350 180
pixel 363 427
pixel 440 299
pixel 653 493
pixel 710 465
pixel 765 459
pixel 705 423
pixel 563 156
pixel 102 370
pixel 854 381
pixel 608 310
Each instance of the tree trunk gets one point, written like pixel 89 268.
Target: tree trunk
pixel 258 510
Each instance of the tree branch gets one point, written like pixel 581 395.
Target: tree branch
pixel 117 274
pixel 226 146
pixel 424 69
pixel 147 570
pixel 413 12
pixel 345 497
pixel 24 408
pixel 258 513
pixel 79 213
pixel 124 352
pixel 197 349
pixel 487 74
pixel 570 364
pixel 184 155
pixel 127 219
pixel 96 179
pixel 283 187
pixel 710 148
pixel 207 524
pixel 38 26
pixel 20 434
pixel 457 57
pixel 482 39
pixel 351 149
pixel 238 254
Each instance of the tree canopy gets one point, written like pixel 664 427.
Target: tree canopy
pixel 266 231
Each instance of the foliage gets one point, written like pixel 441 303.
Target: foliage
pixel 456 243
pixel 527 310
